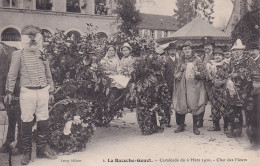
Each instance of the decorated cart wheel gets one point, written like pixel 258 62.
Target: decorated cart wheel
pixel 71 125
pixel 110 108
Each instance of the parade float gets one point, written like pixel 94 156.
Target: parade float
pixel 83 95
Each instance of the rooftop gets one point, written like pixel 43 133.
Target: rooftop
pixel 158 22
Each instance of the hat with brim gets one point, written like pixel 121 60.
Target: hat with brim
pixel 238 45
pixel 218 51
pixel 127 46
pixel 30 30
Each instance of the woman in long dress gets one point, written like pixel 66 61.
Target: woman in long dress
pixel 189 91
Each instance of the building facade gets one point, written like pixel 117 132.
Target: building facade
pixel 157 26
pixel 72 16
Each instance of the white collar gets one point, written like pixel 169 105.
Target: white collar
pixel 257 57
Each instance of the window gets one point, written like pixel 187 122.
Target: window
pixel 100 7
pixel 10 3
pixel 43 4
pixel 74 34
pixel 10 34
pixel 73 6
pixel 101 35
pixel 152 33
pixel 166 33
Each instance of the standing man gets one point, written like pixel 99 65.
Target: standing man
pixel 36 88
pixel 254 116
pixel 13 111
pixel 170 65
pixel 189 91
pixel 240 99
pixel 208 44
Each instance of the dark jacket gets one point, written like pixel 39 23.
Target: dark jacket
pixel 5 61
pixel 169 73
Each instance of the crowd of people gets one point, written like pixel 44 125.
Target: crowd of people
pixel 229 80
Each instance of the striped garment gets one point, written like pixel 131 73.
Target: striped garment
pixel 34 67
pixel 33 71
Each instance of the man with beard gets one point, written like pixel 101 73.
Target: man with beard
pixel 36 88
pixel 170 65
pixel 13 110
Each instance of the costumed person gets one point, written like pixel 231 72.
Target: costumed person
pixel 13 110
pixel 36 88
pixel 189 94
pixel 227 56
pixel 254 116
pixel 239 87
pixel 127 60
pixel 110 64
pixel 218 72
pixel 208 46
pixel 110 61
pixel 170 65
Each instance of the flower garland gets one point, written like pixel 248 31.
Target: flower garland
pixel 150 93
pixel 79 133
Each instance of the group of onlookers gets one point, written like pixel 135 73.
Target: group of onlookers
pixel 228 80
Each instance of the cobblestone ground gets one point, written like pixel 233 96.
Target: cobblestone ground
pixel 122 141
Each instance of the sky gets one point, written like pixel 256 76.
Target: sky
pixel 222 9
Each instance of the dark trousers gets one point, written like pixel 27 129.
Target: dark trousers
pixel 14 117
pixel 254 120
pixel 180 118
pixel 236 119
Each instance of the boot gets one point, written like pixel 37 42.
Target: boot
pixel 195 125
pixel 215 126
pixel 26 142
pixel 200 123
pixel 42 150
pixel 200 119
pixel 226 124
pixel 180 128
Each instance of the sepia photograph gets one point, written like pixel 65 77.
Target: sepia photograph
pixel 129 82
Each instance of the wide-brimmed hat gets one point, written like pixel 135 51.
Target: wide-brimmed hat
pixel 218 51
pixel 126 45
pixel 30 30
pixel 238 45
pixel 206 40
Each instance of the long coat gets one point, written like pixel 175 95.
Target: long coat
pixel 189 94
